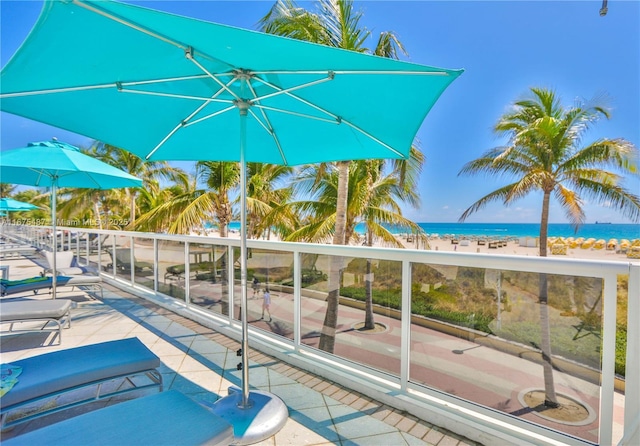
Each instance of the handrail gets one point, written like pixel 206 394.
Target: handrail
pixel 400 390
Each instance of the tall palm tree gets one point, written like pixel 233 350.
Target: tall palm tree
pixel 148 171
pixel 266 191
pixel 221 177
pixel 545 153
pixel 335 24
pixel 189 204
pixel 6 189
pixel 375 191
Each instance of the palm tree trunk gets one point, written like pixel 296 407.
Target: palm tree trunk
pixel 132 208
pixel 544 224
pixel 341 206
pixel 369 323
pixel 327 337
pixel 96 211
pixel 550 399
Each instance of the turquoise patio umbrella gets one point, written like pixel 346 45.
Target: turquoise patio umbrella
pixel 167 87
pixel 13 205
pixel 56 164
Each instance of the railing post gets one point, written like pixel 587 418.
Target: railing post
pixel 632 384
pixel 187 272
pixel 232 282
pixel 297 299
pixel 156 258
pixel 405 340
pixel 607 389
pixel 132 261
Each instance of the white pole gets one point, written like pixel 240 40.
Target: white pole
pixel 243 261
pixel 499 321
pixel 54 280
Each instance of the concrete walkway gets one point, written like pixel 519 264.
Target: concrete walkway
pixel 202 364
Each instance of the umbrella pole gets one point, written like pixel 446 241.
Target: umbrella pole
pixel 243 264
pixel 255 415
pixel 54 246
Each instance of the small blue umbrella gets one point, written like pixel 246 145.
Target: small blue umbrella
pixel 167 87
pixel 12 205
pixel 57 164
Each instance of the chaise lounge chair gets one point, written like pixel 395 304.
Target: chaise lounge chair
pixel 122 261
pixel 17 251
pixel 47 376
pixel 35 284
pixel 36 310
pixel 167 418
pixel 66 264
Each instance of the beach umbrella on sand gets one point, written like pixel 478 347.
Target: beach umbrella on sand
pixel 167 87
pixel 11 205
pixel 57 164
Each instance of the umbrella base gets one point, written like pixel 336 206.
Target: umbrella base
pixel 266 416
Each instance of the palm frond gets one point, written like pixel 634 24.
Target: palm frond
pixel 571 204
pixel 497 195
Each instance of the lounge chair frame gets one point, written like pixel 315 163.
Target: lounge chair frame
pixel 152 375
pixel 92 282
pixel 53 315
pixel 17 251
pixel 122 261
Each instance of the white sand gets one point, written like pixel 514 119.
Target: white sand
pixel 512 248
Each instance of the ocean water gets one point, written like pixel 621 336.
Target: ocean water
pixel 496 230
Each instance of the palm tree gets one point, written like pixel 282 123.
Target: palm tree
pixel 189 205
pixel 335 24
pixel 264 195
pixel 84 204
pixel 148 171
pixel 373 200
pixel 36 198
pixel 380 191
pixel 6 189
pixel 545 153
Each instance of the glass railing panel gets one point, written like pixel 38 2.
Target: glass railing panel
pixel 363 310
pixel 483 335
pixel 121 257
pixel 143 262
pixel 99 248
pixel 171 259
pixel 82 252
pixel 270 272
pixel 208 277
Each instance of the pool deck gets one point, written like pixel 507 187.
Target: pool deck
pixel 201 363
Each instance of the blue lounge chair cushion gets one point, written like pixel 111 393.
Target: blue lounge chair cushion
pixel 167 418
pixel 66 369
pixel 8 287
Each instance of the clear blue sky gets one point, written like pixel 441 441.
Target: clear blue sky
pixel 505 47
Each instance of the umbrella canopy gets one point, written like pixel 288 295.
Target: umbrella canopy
pixel 167 87
pixel 49 163
pixel 11 205
pixel 57 164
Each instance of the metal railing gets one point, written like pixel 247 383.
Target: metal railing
pixel 453 338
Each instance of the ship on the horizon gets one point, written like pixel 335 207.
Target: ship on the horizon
pixel 603 222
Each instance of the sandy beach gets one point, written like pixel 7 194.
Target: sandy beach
pixel 512 247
